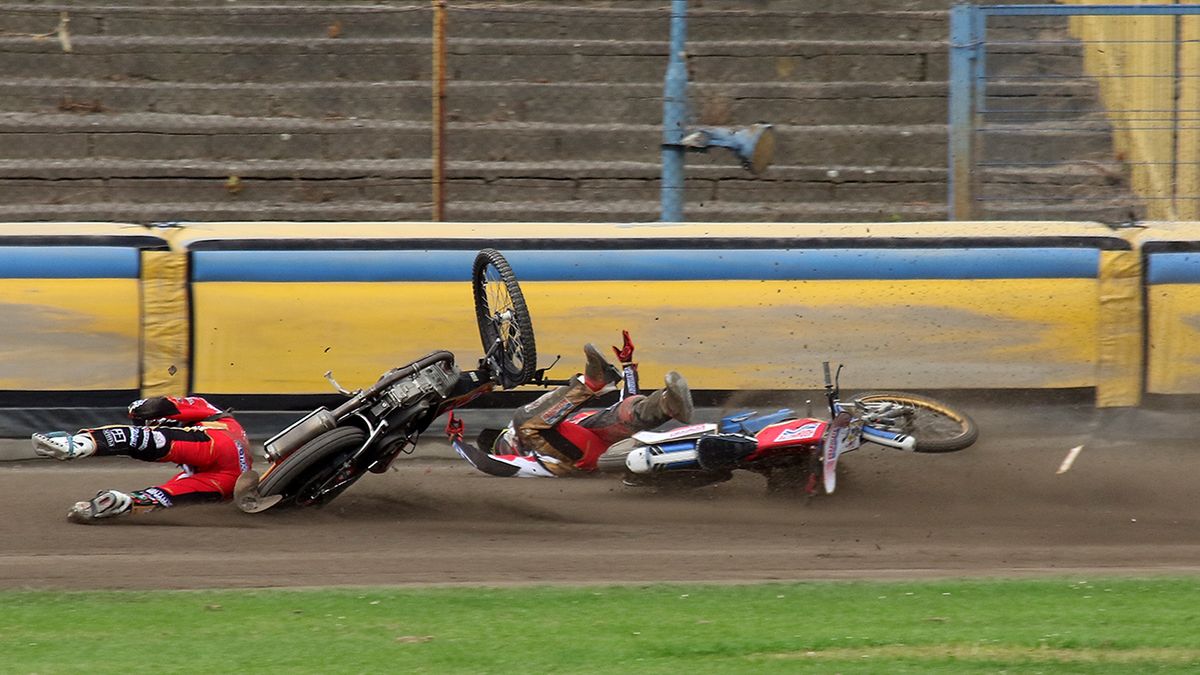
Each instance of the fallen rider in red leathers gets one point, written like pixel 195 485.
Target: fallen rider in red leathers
pixel 207 442
pixel 549 437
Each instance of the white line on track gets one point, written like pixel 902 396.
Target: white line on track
pixel 1069 459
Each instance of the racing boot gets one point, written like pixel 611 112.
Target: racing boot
pixel 599 375
pixel 106 504
pixel 642 413
pixel 676 398
pixel 63 446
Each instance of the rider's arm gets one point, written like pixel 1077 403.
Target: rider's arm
pixel 505 466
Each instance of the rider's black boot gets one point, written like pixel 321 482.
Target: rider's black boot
pixel 642 413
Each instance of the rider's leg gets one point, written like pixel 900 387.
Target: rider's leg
pixel 536 424
pixel 112 503
pixel 149 444
pixel 642 413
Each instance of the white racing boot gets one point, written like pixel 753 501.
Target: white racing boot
pixel 63 446
pixel 106 504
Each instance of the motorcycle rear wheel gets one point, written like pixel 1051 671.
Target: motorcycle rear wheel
pixel 937 426
pixel 302 473
pixel 502 314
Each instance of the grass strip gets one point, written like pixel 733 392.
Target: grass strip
pixel 1046 625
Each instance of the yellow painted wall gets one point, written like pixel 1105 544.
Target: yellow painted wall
pixel 280 338
pixel 271 337
pixel 1173 339
pixel 1172 311
pixel 69 334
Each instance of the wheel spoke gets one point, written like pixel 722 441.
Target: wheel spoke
pixel 503 313
pixel 503 320
pixel 928 422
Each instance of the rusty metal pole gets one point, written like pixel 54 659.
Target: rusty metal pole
pixel 439 110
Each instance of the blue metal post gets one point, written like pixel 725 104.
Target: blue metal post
pixel 965 72
pixel 674 117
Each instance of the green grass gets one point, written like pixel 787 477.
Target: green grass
pixel 1053 626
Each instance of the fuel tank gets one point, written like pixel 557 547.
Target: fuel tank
pixel 789 434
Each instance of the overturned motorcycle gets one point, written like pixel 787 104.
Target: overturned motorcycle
pixel 319 456
pixel 789 450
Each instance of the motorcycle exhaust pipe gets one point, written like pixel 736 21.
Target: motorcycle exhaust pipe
pixel 300 432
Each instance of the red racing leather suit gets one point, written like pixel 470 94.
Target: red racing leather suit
pixel 207 443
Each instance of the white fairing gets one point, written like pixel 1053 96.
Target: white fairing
pixel 889 439
pixel 678 433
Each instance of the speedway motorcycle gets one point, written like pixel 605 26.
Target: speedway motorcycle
pixel 791 451
pixel 321 455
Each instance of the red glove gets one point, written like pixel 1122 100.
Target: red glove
pixel 625 352
pixel 455 428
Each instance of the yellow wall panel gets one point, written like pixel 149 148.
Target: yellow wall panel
pixel 774 334
pixel 280 338
pixel 69 334
pixel 1174 338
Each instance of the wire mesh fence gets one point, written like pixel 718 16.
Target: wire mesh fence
pixel 1073 104
pixel 201 110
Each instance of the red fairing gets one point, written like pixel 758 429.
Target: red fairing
pixel 588 443
pixel 790 434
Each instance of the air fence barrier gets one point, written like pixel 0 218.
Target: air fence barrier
pixel 1111 90
pixel 253 314
pixel 1171 260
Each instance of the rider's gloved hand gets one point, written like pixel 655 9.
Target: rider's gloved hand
pixel 455 428
pixel 625 352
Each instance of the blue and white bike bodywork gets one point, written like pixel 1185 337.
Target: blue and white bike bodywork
pixel 788 449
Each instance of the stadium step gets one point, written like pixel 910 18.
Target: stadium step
pixel 199 108
pixel 808 103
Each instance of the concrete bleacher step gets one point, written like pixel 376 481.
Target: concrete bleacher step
pixel 467 101
pixel 1112 210
pixel 564 211
pixel 261 185
pixel 160 136
pixel 273 59
pixel 142 181
pixel 592 21
pixel 321 110
pixel 494 20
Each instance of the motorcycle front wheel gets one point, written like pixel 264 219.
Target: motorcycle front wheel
pixel 300 475
pixel 936 426
pixel 503 318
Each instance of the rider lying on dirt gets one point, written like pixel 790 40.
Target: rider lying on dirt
pixel 207 443
pixel 549 437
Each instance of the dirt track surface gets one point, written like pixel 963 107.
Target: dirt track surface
pixel 997 509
